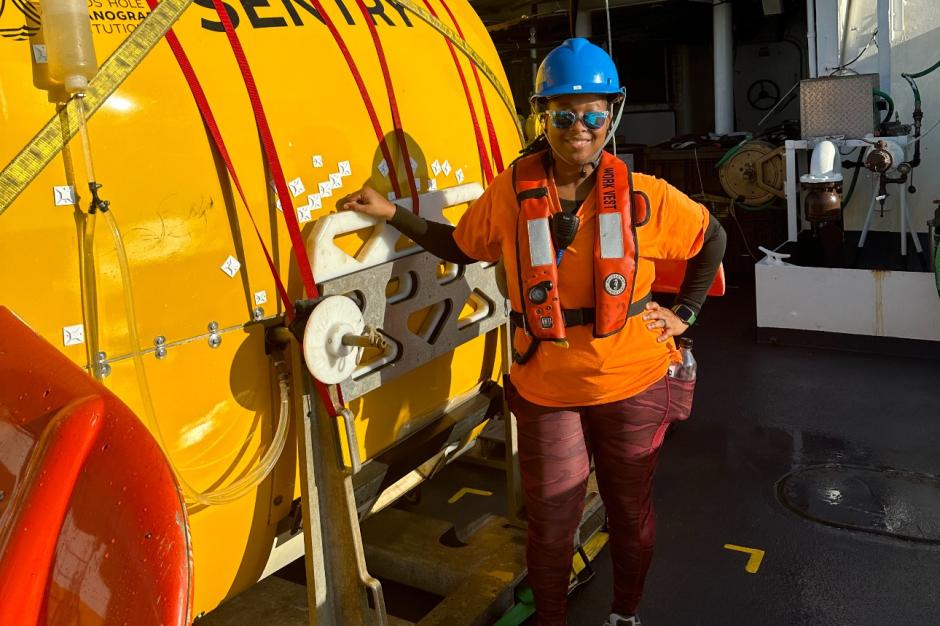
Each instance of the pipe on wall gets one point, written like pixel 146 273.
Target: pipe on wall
pixel 583 25
pixel 811 37
pixel 884 45
pixel 724 70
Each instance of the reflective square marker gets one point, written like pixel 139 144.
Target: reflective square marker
pixel 436 167
pixel 459 175
pixel 446 168
pixel 73 335
pixel 383 167
pixel 296 187
pixel 326 189
pixel 231 266
pixel 314 201
pixel 317 160
pixel 64 195
pixel 261 297
pixel 345 169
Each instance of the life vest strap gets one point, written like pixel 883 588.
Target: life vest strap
pixel 530 194
pixel 585 316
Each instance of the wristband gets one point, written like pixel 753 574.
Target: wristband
pixel 685 313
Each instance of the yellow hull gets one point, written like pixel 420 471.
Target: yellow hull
pixel 217 406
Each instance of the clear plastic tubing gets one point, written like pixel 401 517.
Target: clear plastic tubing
pixel 71 52
pixel 252 478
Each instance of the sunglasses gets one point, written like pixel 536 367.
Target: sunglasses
pixel 566 119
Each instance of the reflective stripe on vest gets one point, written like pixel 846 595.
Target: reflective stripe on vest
pixel 615 249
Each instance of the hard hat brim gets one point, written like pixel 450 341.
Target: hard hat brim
pixel 567 90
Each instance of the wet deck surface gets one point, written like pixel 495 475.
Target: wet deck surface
pixel 761 412
pixel 837 421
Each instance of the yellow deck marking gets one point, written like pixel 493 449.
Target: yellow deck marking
pixel 753 563
pixel 465 491
pixel 592 548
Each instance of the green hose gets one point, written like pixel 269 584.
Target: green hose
pixel 733 151
pixel 858 166
pixel 521 611
pixel 767 205
pixel 910 80
pixel 926 71
pixel 884 96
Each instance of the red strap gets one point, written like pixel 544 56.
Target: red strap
pixel 363 93
pixel 491 130
pixel 280 185
pixel 267 141
pixel 393 104
pixel 204 109
pixel 481 145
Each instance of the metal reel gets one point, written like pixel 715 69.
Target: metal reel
pixel 755 174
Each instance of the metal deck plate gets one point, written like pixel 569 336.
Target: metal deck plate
pixel 875 500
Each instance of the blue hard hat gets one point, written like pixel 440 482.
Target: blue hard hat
pixel 576 66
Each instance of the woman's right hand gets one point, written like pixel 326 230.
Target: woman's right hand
pixel 369 201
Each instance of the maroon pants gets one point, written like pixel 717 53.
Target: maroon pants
pixel 555 448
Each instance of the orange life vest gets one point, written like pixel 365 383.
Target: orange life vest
pixel 615 247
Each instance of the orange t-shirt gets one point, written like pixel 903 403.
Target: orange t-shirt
pixel 589 371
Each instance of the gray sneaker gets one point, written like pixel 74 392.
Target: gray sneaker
pixel 616 619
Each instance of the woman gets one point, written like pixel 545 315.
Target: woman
pixel 578 235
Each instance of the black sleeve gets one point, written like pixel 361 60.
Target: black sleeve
pixel 701 269
pixel 436 238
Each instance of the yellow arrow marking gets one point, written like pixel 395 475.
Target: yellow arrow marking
pixel 465 491
pixel 753 563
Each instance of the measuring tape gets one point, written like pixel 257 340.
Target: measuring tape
pixel 464 47
pixel 50 140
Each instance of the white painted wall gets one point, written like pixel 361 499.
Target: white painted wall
pixel 915 45
pixel 855 302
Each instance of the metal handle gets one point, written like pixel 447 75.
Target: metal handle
pixel 370 338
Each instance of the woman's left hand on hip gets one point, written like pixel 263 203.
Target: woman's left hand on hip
pixel 663 321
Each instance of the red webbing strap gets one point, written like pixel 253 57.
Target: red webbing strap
pixel 267 142
pixel 481 145
pixel 363 93
pixel 208 118
pixel 392 102
pixel 491 130
pixel 274 163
